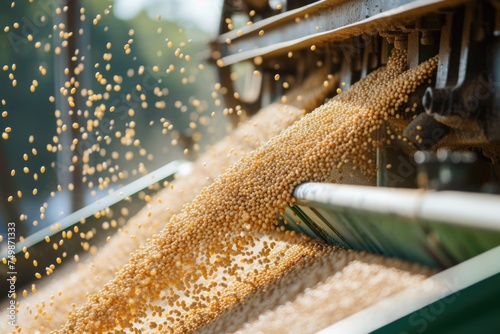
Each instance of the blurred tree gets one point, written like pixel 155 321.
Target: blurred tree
pixel 147 97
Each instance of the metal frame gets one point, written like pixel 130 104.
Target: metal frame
pixel 322 22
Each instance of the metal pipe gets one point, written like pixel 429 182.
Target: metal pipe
pixel 448 207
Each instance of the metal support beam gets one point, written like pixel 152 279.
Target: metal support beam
pixel 322 22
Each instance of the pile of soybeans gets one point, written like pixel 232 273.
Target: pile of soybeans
pixel 221 263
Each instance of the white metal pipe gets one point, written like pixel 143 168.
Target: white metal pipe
pixel 448 207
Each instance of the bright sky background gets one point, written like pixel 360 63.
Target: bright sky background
pixel 203 14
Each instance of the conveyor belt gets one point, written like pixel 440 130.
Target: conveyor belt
pixel 43 251
pixel 455 230
pixel 462 299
